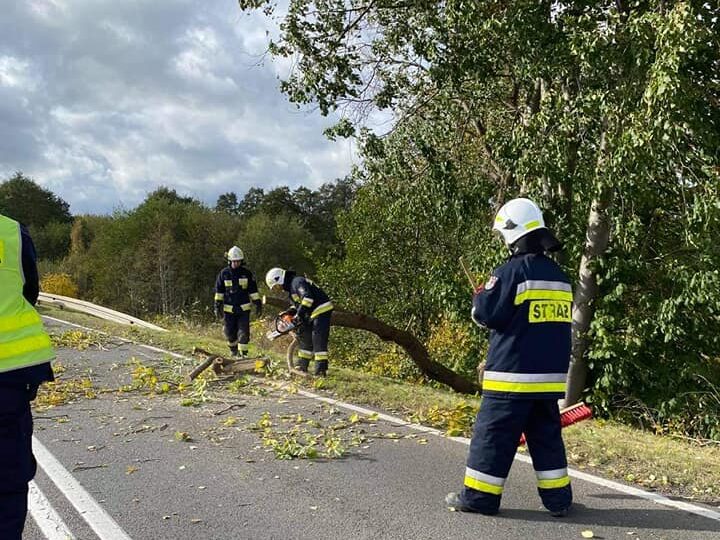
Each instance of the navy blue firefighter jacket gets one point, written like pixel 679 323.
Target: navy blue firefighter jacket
pixel 527 305
pixel 236 290
pixel 309 299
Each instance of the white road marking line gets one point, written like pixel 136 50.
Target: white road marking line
pixel 149 347
pixel 99 520
pixel 48 520
pixel 636 492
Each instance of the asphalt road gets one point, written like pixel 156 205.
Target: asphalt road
pixel 113 468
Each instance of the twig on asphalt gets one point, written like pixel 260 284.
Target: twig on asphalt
pixel 88 467
pixel 228 408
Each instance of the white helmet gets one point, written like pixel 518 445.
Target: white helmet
pixel 517 218
pixel 235 254
pixel 275 276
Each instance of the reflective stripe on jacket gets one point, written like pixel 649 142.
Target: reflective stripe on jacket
pixel 23 340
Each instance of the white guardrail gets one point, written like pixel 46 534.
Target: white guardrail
pixel 73 304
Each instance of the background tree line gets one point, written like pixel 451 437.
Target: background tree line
pixel 162 257
pixel 45 214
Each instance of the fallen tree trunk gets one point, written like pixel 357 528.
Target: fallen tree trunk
pixel 414 348
pixel 221 365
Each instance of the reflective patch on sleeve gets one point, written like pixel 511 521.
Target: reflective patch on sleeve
pixel 541 311
pixel 491 282
pixel 228 282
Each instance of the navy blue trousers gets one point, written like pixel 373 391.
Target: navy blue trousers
pixel 313 340
pixel 498 427
pixel 237 331
pixel 17 464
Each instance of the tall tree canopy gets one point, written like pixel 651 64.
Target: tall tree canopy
pixel 607 113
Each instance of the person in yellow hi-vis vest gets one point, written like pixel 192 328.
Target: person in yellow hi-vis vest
pixel 25 354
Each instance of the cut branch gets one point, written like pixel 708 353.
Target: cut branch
pixel 414 348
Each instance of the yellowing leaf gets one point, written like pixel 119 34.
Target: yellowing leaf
pixel 588 534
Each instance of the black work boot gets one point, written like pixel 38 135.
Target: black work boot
pixel 560 513
pixel 233 351
pixel 321 367
pixel 455 503
pixel 302 364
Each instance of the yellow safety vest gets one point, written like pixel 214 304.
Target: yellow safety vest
pixel 23 340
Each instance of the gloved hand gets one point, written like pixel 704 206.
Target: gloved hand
pixel 258 310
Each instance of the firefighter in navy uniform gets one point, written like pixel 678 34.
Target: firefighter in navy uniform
pixel 235 293
pixel 25 354
pixel 527 305
pixel 313 316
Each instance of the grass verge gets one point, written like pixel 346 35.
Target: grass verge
pixel 659 463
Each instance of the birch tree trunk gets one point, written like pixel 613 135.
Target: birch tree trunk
pixel 586 293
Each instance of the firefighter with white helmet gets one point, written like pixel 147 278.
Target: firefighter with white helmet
pixel 312 317
pixel 235 293
pixel 527 305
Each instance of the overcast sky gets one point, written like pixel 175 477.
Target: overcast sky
pixel 101 101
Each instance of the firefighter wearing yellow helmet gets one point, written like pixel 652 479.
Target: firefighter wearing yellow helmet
pixel 235 293
pixel 527 305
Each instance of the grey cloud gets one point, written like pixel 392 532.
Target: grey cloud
pixel 111 99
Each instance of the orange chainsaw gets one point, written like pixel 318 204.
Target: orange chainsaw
pixel 285 323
